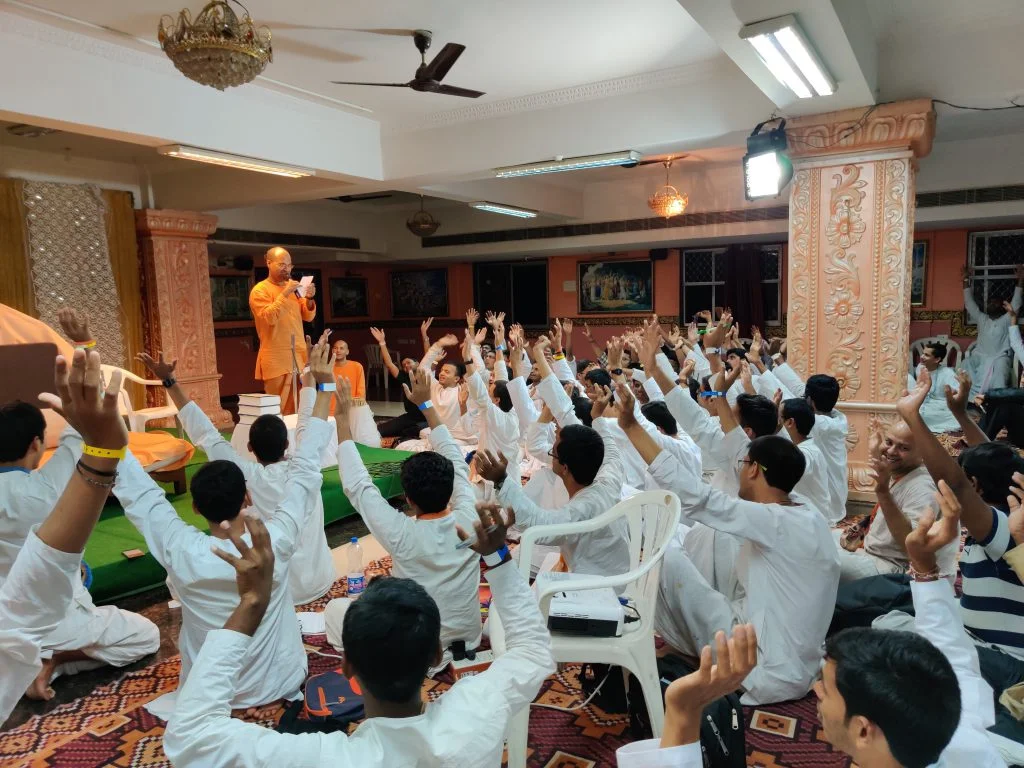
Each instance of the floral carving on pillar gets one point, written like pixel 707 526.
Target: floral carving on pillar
pixel 178 305
pixel 851 223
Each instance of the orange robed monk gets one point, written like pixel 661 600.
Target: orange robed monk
pixel 279 313
pixel 361 423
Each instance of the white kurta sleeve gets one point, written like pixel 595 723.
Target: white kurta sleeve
pixel 695 421
pixel 526 411
pixel 500 370
pixel 649 754
pixel 1015 342
pixel 790 378
pixel 557 401
pixel 33 601
pixel 562 370
pixel 303 478
pixel 654 393
pixel 207 438
pixel 384 521
pixel 746 519
pixel 201 732
pixel 50 480
pixel 463 501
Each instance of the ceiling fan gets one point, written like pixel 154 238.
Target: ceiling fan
pixel 429 76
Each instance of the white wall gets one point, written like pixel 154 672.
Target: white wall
pixel 68 169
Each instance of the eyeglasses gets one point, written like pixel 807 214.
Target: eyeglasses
pixel 552 454
pixel 750 461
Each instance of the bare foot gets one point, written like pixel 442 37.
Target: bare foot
pixel 40 689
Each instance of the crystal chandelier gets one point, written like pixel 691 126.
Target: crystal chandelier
pixel 217 49
pixel 422 224
pixel 668 201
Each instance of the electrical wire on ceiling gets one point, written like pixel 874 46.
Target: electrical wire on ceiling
pixel 1012 105
pixel 775 117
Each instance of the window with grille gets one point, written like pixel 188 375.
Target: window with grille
pixel 993 258
pixel 704 278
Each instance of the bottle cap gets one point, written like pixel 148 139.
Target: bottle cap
pixel 354 539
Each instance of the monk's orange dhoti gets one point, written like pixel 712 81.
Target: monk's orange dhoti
pixel 278 321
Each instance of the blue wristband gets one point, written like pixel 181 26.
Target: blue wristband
pixel 712 393
pixel 425 405
pixel 328 387
pixel 496 558
pixel 500 348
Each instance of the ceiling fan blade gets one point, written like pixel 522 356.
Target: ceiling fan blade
pixel 440 64
pixel 379 85
pixel 451 90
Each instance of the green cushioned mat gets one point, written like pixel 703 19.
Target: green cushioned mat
pixel 115 576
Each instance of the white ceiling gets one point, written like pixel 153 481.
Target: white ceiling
pixel 512 49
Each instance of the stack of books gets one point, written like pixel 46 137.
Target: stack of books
pixel 251 407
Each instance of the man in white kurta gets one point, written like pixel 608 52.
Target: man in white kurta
pixel 274 666
pixel 311 573
pixel 445 397
pixel 106 634
pixel 990 364
pixel 934 410
pixel 423 546
pixel 464 728
pixel 813 486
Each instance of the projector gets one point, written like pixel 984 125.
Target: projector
pixel 591 612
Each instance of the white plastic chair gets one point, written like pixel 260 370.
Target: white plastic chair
pixel 954 355
pixel 138 417
pixel 1017 374
pixel 653 518
pixel 375 368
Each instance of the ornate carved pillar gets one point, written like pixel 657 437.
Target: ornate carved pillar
pixel 851 231
pixel 179 317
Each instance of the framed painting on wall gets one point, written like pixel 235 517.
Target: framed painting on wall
pixel 349 297
pixel 229 296
pixel 608 287
pixel 918 273
pixel 421 293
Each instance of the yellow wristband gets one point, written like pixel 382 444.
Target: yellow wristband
pixel 104 453
pixel 558 357
pixel 85 344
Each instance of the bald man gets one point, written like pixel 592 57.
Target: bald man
pixel 279 313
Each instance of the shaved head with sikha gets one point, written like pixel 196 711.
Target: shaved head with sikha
pixel 279 264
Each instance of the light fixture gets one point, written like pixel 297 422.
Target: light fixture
pixel 234 161
pixel 668 201
pixel 507 210
pixel 785 50
pixel 216 49
pixel 766 168
pixel 626 157
pixel 422 224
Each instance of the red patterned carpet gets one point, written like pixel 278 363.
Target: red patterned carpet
pixel 111 727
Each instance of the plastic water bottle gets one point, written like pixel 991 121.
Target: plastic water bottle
pixel 356 580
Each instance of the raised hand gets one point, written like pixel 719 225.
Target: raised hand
pixel 586 332
pixel 747 378
pixel 480 335
pixel 75 324
pixel 754 355
pixel 343 397
pixel 84 403
pixel 626 405
pixel 931 535
pixel 425 326
pixel 600 403
pixel 321 362
pixel 542 345
pixel 421 386
pixel 254 573
pixel 687 369
pixel 448 340
pixel 909 405
pixel 567 327
pixel 956 401
pixel 1010 312
pixel 491 467
pixel 692 334
pixel 881 471
pixel 378 334
pixel 491 529
pixel 472 316
pixel 1016 505
pixel 686 697
pixel 162 369
pixel 556 335
pixel 463 394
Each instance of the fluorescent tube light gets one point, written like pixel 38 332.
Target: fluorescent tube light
pixel 626 157
pixel 785 50
pixel 234 161
pixel 507 210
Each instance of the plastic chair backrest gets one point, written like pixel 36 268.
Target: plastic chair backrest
pixel 954 355
pixel 652 518
pixel 374 357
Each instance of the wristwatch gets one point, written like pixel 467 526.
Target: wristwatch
pixel 169 382
pixel 712 351
pixel 615 371
pixel 496 558
pixel 467 362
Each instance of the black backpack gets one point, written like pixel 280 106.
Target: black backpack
pixel 723 729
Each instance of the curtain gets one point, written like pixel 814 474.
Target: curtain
pixel 743 286
pixel 16 287
pixel 125 264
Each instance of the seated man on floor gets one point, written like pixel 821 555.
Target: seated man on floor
pixel 885 698
pixel 588 462
pixel 88 636
pixel 798 419
pixel 411 423
pixel 934 410
pixel 40 587
pixel 275 665
pixel 787 565
pixel 266 478
pixel 904 489
pixel 445 395
pixel 422 542
pixel 392 636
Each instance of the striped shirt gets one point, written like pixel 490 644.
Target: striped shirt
pixel 992 605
